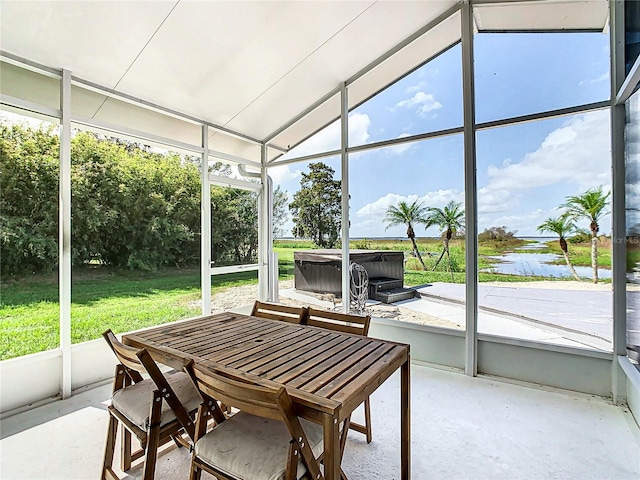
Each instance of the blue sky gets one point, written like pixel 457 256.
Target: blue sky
pixel 524 171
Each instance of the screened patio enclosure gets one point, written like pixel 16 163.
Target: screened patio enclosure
pixel 249 84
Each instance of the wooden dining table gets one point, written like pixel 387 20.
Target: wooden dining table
pixel 328 374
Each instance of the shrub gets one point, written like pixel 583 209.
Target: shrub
pixel 29 202
pixel 581 236
pixel 362 244
pixel 131 207
pixel 500 234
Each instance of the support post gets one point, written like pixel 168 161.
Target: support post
pixel 470 190
pixel 619 250
pixel 344 157
pixel 205 226
pixel 265 214
pixel 274 295
pixel 65 231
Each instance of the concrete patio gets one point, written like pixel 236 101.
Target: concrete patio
pixel 462 427
pixel 569 322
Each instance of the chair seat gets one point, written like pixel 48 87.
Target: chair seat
pixel 134 401
pixel 250 447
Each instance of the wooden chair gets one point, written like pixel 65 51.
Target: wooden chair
pixel 357 325
pixel 276 311
pixel 155 410
pixel 265 439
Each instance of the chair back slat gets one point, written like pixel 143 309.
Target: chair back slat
pixel 126 355
pixel 156 429
pixel 340 322
pixel 255 397
pixel 258 397
pixel 169 395
pixel 276 311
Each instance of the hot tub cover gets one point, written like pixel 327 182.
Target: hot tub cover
pixel 333 255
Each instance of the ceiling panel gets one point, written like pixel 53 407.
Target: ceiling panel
pixel 308 125
pixel 250 66
pixel 547 15
pixel 215 58
pixel 220 142
pixel 43 89
pixel 357 45
pixel 95 40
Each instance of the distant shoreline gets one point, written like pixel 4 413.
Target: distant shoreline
pixel 292 239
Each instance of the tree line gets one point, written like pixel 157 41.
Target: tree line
pixel 316 210
pixel 139 209
pixel 131 207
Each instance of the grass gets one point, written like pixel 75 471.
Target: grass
pixel 123 300
pixel 580 254
pixel 101 298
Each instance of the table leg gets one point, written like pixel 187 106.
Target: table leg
pixel 405 420
pixel 331 430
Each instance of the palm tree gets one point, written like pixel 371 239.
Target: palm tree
pixel 409 215
pixel 591 205
pixel 449 219
pixel 561 226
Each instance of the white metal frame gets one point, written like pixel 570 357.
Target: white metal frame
pixel 65 231
pixel 344 175
pixel 470 192
pixel 618 254
pixel 205 225
pixel 625 378
pixel 621 90
pixel 242 185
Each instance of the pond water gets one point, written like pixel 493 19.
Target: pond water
pixel 538 264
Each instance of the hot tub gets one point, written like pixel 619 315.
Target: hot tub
pixel 320 271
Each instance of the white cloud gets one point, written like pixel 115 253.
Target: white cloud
pixel 399 149
pixel 523 224
pixel 416 88
pixel 370 217
pixel 439 198
pixel 577 152
pixel 601 78
pixel 494 200
pixel 328 138
pixel 283 174
pixel 425 102
pixel 379 207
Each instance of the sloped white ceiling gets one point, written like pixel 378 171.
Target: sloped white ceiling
pixel 542 15
pixel 247 66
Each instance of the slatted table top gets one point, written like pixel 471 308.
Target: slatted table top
pixel 323 370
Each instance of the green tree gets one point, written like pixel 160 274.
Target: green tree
pixel 132 207
pixel 409 215
pixel 497 234
pixel 316 207
pixel 561 226
pixel 450 220
pixel 29 172
pixel 280 200
pixel 244 231
pixel 592 206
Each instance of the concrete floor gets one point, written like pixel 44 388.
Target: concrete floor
pixel 462 428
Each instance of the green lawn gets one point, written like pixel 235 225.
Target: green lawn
pixel 101 299
pixel 123 300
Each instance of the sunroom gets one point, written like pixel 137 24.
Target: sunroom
pixel 505 109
